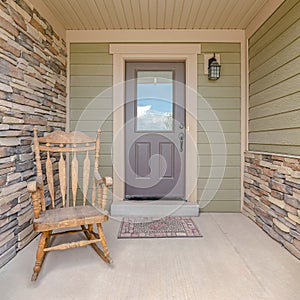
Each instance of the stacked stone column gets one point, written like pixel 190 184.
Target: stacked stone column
pixel 272 197
pixel 32 93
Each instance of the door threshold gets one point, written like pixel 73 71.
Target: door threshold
pixel 138 198
pixel 159 208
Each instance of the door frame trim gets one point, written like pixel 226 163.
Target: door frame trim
pixel 154 52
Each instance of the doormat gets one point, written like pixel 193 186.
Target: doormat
pixel 167 227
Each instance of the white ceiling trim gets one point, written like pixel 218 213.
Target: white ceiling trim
pixel 162 36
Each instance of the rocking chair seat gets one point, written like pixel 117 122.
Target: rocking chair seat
pixel 68 217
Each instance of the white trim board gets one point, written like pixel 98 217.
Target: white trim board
pixel 162 52
pixel 155 36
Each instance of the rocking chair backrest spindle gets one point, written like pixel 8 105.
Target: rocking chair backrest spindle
pixel 59 145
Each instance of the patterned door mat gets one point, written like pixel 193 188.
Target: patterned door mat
pixel 168 227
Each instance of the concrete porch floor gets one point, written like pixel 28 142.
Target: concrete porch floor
pixel 233 260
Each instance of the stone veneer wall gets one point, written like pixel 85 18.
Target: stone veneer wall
pixel 32 93
pixel 272 197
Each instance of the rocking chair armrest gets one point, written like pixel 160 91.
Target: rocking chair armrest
pixel 33 186
pixel 36 190
pixel 107 181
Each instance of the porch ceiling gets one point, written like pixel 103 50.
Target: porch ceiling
pixel 154 14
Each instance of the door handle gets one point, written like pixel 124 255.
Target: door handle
pixel 181 139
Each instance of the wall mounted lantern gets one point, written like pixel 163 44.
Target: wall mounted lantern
pixel 214 69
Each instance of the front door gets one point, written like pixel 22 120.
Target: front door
pixel 155 130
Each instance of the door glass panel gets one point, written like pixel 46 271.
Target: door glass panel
pixel 154 103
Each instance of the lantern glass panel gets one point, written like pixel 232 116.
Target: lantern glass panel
pixel 214 71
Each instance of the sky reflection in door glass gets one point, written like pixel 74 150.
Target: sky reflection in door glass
pixel 154 104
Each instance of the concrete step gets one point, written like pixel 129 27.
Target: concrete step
pixel 153 208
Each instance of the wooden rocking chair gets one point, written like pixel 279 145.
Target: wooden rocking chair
pixel 51 210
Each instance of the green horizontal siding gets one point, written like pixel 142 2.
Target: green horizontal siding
pixel 217 172
pixel 284 137
pixel 274 89
pixel 91 70
pixel 274 29
pixel 88 126
pixel 91 95
pixel 222 115
pixel 222 206
pixel 231 138
pixel 91 103
pixel 231 160
pixel 273 63
pixel 274 77
pixel 90 81
pixel 219 99
pixel 219 91
pixel 231 149
pixel 285 104
pixel 227 184
pixel 275 122
pixel 99 114
pixel 227 126
pixel 90 58
pixel 89 48
pixel 267 26
pixel 90 92
pixel 222 103
pixel 287 86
